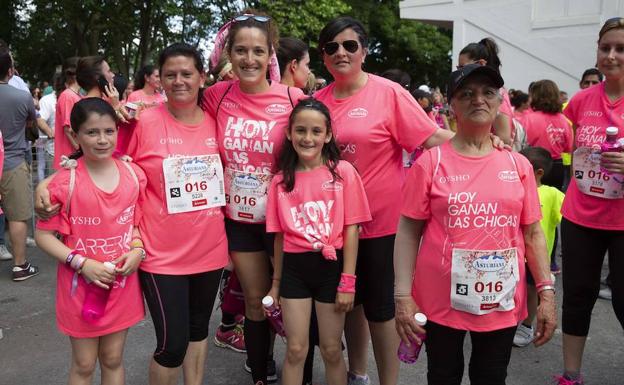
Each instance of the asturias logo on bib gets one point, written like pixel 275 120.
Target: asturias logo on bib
pixel 358 113
pixel 194 166
pixel 246 182
pixel 275 109
pixel 489 263
pixel 508 176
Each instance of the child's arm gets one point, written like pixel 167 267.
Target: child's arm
pixel 131 260
pixel 93 270
pixel 344 300
pixel 278 257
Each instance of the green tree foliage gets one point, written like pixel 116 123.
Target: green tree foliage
pixel 130 33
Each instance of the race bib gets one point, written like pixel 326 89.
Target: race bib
pixel 193 183
pixel 591 180
pixel 484 281
pixel 246 195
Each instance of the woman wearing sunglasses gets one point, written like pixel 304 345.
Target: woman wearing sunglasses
pixel 592 218
pixel 374 120
pixel 251 113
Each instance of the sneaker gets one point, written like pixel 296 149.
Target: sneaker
pixel 232 339
pixel 271 370
pixel 524 336
pixel 562 380
pixel 5 254
pixel 355 379
pixel 30 242
pixel 605 293
pixel 21 273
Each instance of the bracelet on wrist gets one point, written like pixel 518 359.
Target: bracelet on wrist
pixel 72 254
pixel 347 283
pixel 546 287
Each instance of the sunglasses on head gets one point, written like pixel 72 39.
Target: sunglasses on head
pixel 349 46
pixel 247 16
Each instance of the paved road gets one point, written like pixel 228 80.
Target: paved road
pixel 32 351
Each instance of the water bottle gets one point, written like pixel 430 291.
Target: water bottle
pixel 95 300
pixel 611 143
pixel 409 354
pixel 274 315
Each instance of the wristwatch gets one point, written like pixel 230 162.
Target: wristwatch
pixel 546 287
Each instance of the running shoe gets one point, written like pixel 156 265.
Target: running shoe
pixel 562 380
pixel 5 254
pixel 232 339
pixel 605 293
pixel 25 271
pixel 355 379
pixel 271 370
pixel 524 336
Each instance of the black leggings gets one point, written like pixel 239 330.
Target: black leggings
pixel 583 251
pixel 180 306
pixel 489 359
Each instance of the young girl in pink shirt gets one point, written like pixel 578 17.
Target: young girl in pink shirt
pixel 101 247
pixel 316 238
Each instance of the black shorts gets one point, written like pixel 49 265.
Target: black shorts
pixel 310 275
pixel 375 278
pixel 248 237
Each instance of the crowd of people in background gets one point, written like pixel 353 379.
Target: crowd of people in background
pixel 353 206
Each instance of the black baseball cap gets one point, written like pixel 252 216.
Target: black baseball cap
pixel 458 77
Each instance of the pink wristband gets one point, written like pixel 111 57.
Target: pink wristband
pixel 71 256
pixel 347 283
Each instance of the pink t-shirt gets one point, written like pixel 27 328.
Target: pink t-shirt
pixel 507 109
pixel 251 128
pixel 468 203
pixel 64 105
pixel 591 112
pixel 124 132
pixel 99 226
pixel 549 131
pixel 372 128
pixel 183 243
pixel 148 101
pixel 315 212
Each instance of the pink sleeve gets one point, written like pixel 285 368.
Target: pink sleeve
pixel 134 95
pixel 570 110
pixel 505 107
pixel 138 208
pixel 296 94
pixel 58 189
pixel 134 140
pixel 531 210
pixel 417 189
pixel 568 135
pixel 356 208
pixel 411 126
pixel 272 218
pixel 66 105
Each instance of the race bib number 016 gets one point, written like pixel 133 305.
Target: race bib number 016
pixel 591 180
pixel 193 183
pixel 246 195
pixel 483 281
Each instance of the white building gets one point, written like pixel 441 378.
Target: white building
pixel 538 39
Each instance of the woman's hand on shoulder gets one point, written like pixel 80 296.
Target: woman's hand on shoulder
pixel 498 143
pixel 406 325
pixel 43 206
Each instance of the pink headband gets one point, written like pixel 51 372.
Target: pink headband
pixel 219 46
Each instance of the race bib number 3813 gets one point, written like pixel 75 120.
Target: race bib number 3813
pixel 193 183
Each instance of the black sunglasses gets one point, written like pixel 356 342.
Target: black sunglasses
pixel 349 45
pixel 247 16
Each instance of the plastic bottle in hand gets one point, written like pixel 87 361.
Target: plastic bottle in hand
pixel 274 315
pixel 409 354
pixel 611 143
pixel 95 299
